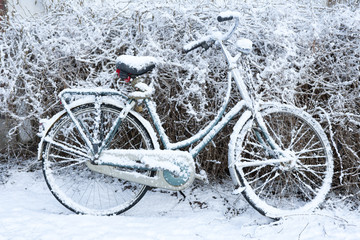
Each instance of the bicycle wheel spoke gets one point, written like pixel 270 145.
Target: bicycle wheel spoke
pixel 311 171
pixel 310 143
pixel 270 190
pixel 305 177
pixel 65 160
pixel 312 157
pixel 89 189
pixel 69 165
pixel 320 149
pixel 275 135
pixel 256 145
pixel 268 180
pixel 298 188
pixel 299 138
pixel 294 136
pixel 253 154
pixel 73 154
pixel 258 169
pixel 301 184
pixel 263 176
pixel 74 140
pixel 130 141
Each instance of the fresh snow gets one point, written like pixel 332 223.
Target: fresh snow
pixel 163 159
pixel 244 45
pixel 137 62
pixel 29 211
pixel 228 14
pixel 145 91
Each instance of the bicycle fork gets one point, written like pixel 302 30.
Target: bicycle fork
pixel 269 144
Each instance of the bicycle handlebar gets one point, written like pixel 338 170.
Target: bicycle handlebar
pixel 208 41
pixel 228 15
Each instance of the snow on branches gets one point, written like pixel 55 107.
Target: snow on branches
pixel 303 55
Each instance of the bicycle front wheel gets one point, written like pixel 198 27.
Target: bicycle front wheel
pixel 278 188
pixel 64 162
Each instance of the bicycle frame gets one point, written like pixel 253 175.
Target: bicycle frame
pixel 209 132
pixel 204 136
pixel 215 126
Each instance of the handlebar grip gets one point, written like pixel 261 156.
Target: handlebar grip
pixel 191 46
pixel 223 19
pixel 205 43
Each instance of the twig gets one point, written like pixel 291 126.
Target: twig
pixel 302 231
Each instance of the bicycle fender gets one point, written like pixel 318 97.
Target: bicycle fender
pixel 49 123
pixel 245 117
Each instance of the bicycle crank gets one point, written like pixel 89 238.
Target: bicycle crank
pixel 175 169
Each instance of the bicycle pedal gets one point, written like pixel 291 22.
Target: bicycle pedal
pixel 202 176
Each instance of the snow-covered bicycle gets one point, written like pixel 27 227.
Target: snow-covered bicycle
pixel 100 156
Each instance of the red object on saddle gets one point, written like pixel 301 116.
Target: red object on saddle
pixel 125 79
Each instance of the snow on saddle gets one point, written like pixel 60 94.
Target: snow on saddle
pixel 132 66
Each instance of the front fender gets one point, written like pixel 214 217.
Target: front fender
pixel 47 124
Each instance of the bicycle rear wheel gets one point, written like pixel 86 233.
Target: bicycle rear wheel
pixel 278 189
pixel 64 162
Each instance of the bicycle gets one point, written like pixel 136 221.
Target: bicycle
pixel 99 156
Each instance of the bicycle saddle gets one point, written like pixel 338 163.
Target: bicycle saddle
pixel 133 66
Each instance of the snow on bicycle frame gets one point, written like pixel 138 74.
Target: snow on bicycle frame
pixel 171 168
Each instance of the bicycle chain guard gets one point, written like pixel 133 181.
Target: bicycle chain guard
pixel 175 169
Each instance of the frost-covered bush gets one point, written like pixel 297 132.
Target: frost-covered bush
pixel 304 54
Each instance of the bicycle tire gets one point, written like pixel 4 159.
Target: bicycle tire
pixel 277 190
pixel 72 183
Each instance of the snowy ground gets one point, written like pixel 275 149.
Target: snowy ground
pixel 29 211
